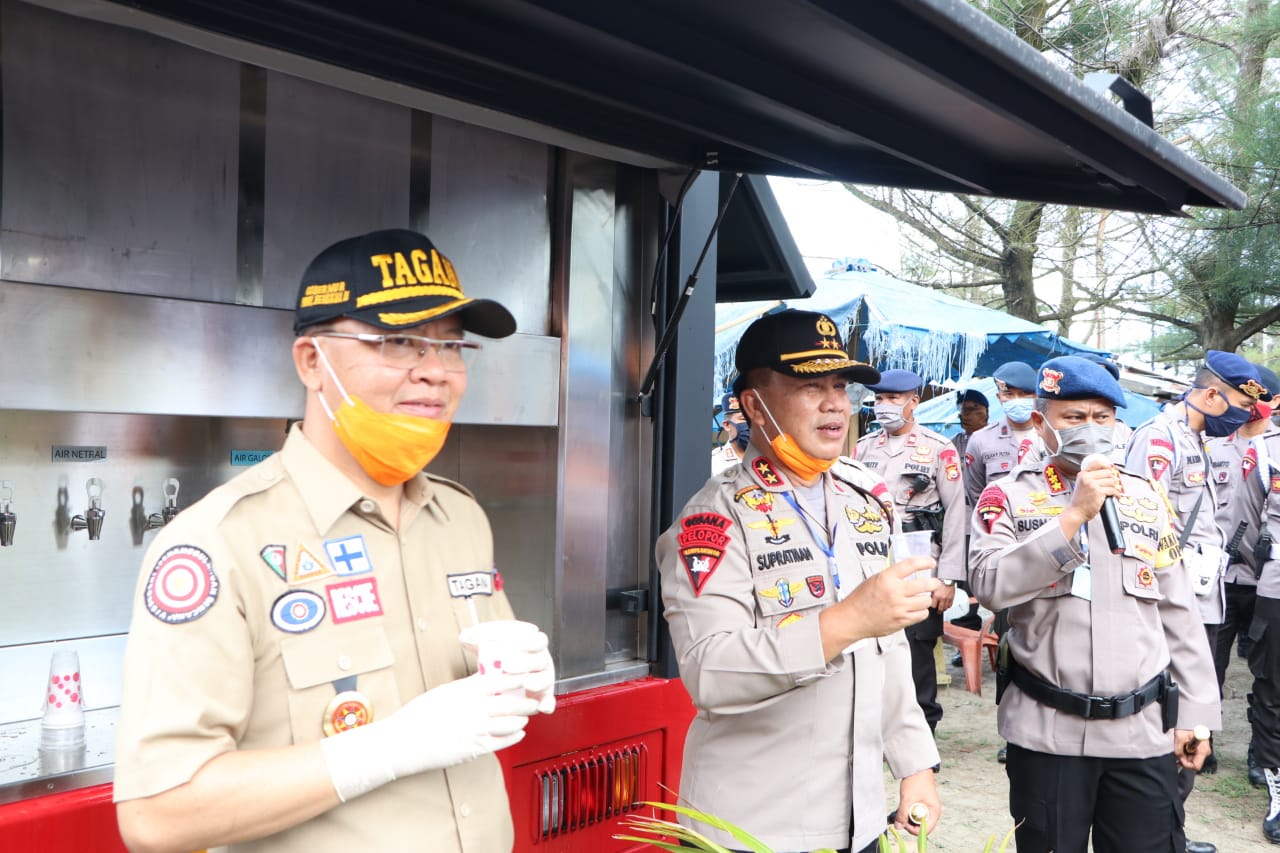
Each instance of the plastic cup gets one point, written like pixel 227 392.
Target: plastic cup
pixel 497 641
pixel 916 543
pixel 63 723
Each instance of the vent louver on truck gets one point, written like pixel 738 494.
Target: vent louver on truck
pixel 585 788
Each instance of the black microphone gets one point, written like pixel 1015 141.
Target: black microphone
pixel 1110 518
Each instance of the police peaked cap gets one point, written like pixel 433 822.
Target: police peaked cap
pixel 895 381
pixel 1016 374
pixel 1237 372
pixel 797 343
pixel 1070 377
pixel 392 279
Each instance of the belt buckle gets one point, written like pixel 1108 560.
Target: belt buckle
pixel 1101 707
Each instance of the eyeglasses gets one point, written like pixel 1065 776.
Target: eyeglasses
pixel 407 351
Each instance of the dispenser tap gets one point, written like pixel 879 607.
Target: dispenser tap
pixel 8 520
pixel 93 516
pixel 166 515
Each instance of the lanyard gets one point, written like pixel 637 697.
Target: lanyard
pixel 828 549
pixel 1264 462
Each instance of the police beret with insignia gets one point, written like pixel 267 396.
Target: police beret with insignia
pixel 1070 377
pixel 972 395
pixel 1268 378
pixel 1099 358
pixel 1237 372
pixel 800 344
pixel 1015 374
pixel 392 279
pixel 896 381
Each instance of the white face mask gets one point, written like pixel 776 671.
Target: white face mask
pixel 890 416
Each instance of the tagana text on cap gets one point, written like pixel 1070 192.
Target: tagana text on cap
pixel 896 381
pixel 1015 374
pixel 797 343
pixel 1070 377
pixel 1237 372
pixel 392 279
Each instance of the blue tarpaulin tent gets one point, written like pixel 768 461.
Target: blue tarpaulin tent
pixel 896 324
pixel 940 414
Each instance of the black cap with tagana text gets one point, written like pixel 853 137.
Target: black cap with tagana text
pixel 800 344
pixel 392 279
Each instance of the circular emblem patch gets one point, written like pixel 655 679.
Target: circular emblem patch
pixel 182 585
pixel 297 611
pixel 347 710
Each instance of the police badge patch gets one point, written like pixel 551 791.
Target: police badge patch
pixel 702 541
pixel 990 506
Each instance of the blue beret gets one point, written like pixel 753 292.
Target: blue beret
pixel 1016 374
pixel 1071 377
pixel 1237 372
pixel 892 381
pixel 972 395
pixel 729 403
pixel 1099 358
pixel 1268 378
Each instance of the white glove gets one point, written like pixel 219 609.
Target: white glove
pixel 448 725
pixel 538 671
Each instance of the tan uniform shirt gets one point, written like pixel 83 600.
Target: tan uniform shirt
pixel 256 604
pixel 784 743
pixel 1138 618
pixel 993 452
pixel 1166 449
pixel 1269 583
pixel 898 460
pixel 1241 486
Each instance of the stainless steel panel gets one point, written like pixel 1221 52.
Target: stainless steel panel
pixel 337 165
pixel 590 401
pixel 27 771
pixel 514 381
pixel 57 584
pixel 489 215
pixel 120 159
pixel 86 350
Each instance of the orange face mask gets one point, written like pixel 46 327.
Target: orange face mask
pixel 391 448
pixel 803 465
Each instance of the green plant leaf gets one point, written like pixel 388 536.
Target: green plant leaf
pixel 754 844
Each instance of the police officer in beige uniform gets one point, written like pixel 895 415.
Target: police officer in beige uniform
pixel 922 471
pixel 786 615
pixel 995 449
pixel 1097 640
pixel 736 431
pixel 1264 654
pixel 293 678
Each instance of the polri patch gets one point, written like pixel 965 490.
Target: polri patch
pixel 702 541
pixel 950 464
pixel 467 584
pixel 297 611
pixel 274 557
pixel 309 567
pixel 348 555
pixel 990 506
pixel 182 586
pixel 354 599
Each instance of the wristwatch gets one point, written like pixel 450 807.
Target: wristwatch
pixel 947 581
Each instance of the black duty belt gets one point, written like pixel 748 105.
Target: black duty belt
pixel 1084 705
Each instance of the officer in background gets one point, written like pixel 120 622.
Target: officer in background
pixel 994 450
pixel 736 432
pixel 1105 671
pixel 974 410
pixel 1170 449
pixel 1241 487
pixel 293 679
pixel 922 471
pixel 786 617
pixel 1264 653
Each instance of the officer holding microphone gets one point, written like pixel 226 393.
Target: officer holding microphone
pixel 1105 671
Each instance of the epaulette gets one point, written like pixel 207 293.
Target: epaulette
pixel 453 484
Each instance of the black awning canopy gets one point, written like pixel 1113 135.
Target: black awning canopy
pixel 756 256
pixel 928 94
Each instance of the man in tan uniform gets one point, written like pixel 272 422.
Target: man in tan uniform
pixel 1106 670
pixel 293 679
pixel 786 616
pixel 995 449
pixel 922 471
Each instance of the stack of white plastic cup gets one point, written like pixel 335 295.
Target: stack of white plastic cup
pixel 63 724
pixel 493 642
